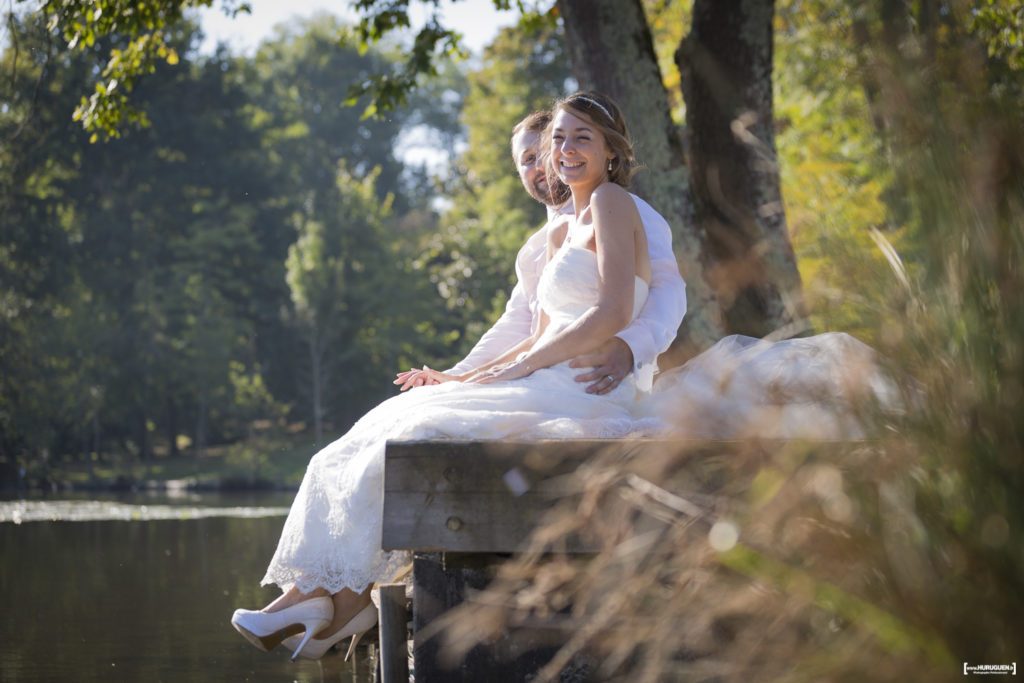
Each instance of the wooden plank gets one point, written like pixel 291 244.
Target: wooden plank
pixel 394 634
pixel 438 466
pixel 473 496
pixel 488 496
pixel 460 522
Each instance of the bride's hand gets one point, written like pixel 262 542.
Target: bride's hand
pixel 502 373
pixel 423 377
pixel 414 378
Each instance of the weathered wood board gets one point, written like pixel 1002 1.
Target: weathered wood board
pixel 487 496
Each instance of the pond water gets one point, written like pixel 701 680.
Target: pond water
pixel 142 589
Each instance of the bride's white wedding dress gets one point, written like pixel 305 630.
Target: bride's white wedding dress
pixel 820 387
pixel 331 538
pixel 740 387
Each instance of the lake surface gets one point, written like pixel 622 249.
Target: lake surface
pixel 142 589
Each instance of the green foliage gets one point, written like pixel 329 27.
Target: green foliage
pixel 834 172
pixel 999 26
pixel 352 222
pixel 142 27
pixel 958 335
pixel 136 40
pixel 338 272
pixel 389 91
pixel 297 84
pixel 145 305
pixel 432 44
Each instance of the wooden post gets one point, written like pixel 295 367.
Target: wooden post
pixel 394 619
pixel 442 581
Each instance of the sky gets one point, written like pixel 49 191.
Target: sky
pixel 477 20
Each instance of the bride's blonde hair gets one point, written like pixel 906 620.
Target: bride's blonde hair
pixel 601 111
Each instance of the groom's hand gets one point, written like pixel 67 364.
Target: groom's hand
pixel 609 364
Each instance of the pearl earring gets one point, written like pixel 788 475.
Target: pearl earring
pixel 609 165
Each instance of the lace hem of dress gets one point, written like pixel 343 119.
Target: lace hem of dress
pixel 336 580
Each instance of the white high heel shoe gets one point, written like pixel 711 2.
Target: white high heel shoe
pixel 355 627
pixel 266 630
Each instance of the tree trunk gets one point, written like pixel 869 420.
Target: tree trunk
pixel 726 68
pixel 316 363
pixel 201 423
pixel 172 428
pixel 142 430
pixel 611 50
pixel 96 439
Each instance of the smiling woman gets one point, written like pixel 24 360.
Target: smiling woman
pixel 591 152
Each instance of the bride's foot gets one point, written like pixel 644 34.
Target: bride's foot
pixel 354 615
pixel 356 627
pixel 266 629
pixel 294 596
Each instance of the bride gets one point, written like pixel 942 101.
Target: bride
pixel 595 282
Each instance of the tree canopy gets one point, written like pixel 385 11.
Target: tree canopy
pixel 139 272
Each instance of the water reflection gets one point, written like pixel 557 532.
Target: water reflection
pixel 97 510
pixel 144 595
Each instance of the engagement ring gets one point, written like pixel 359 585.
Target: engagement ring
pixel 610 378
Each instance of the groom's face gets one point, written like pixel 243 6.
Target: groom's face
pixel 524 150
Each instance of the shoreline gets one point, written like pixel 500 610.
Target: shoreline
pixel 124 484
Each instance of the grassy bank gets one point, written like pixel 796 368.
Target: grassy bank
pixel 259 463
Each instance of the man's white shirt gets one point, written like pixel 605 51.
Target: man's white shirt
pixel 648 336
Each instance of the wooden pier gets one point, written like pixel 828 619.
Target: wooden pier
pixel 463 507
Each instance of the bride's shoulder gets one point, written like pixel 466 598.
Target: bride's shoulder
pixel 613 200
pixel 610 192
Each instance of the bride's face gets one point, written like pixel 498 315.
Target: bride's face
pixel 578 151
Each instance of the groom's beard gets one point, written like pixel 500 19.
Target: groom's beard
pixel 550 195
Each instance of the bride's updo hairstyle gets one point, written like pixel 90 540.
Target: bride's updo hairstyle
pixel 601 111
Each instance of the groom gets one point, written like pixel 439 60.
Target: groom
pixel 634 349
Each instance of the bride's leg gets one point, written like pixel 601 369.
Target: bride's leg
pixel 293 596
pixel 347 604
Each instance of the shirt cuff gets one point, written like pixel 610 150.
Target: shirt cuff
pixel 644 375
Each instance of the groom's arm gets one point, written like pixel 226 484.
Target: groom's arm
pixel 652 332
pixel 511 328
pixel 655 327
pixel 516 323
